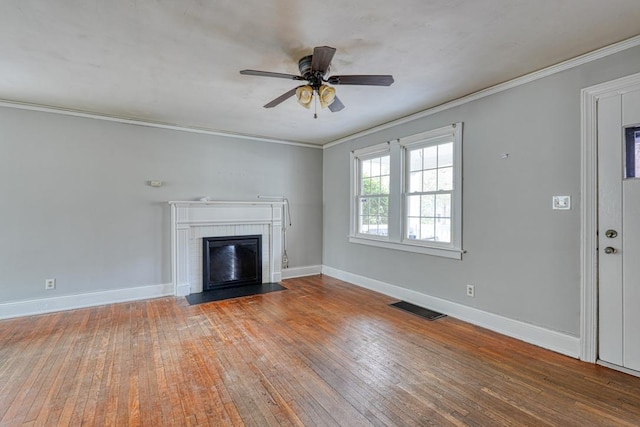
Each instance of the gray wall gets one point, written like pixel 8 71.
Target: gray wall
pixel 523 257
pixel 75 204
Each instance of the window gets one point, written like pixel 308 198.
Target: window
pixel 632 152
pixel 425 213
pixel 429 190
pixel 373 195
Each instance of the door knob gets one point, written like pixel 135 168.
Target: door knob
pixel 611 233
pixel 610 250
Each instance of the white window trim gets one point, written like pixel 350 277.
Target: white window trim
pixel 356 156
pixel 438 136
pixel 397 198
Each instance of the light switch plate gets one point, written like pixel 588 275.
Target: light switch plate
pixel 561 202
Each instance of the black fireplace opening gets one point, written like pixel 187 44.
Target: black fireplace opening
pixel 231 261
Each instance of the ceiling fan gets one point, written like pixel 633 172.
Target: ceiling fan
pixel 313 69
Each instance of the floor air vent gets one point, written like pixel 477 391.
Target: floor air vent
pixel 418 311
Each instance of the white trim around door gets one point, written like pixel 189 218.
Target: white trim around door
pixel 589 209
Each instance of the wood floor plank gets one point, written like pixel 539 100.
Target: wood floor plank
pixel 321 353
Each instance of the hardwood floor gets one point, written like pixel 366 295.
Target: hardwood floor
pixel 323 352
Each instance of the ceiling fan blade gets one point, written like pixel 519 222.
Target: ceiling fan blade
pixel 270 74
pixel 322 56
pixel 365 80
pixel 336 105
pixel 281 98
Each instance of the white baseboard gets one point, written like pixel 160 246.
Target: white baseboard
pixel 310 270
pixel 184 289
pixel 69 302
pixel 542 337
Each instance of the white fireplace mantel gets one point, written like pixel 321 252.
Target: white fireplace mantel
pixel 191 221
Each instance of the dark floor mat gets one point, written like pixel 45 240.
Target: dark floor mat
pixel 235 292
pixel 419 311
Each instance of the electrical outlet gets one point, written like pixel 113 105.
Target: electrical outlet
pixel 50 284
pixel 471 291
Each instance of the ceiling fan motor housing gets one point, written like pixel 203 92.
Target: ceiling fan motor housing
pixel 304 65
pixel 314 77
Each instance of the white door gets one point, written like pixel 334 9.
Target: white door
pixel 619 229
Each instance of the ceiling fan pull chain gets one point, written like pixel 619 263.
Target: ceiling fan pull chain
pixel 315 105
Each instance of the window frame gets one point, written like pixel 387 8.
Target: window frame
pixel 357 156
pixel 448 134
pixel 398 222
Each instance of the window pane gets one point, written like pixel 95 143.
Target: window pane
pixel 428 205
pixel 413 228
pixel 375 185
pixel 632 152
pixel 366 186
pixel 384 185
pixel 415 160
pixel 427 231
pixel 372 207
pixel 415 182
pixel 431 157
pixel 364 206
pixel 384 165
pixel 443 205
pixel 445 179
pixel 374 212
pixel 383 228
pixel 366 168
pixel 374 177
pixel 443 230
pixel 373 228
pixel 383 207
pixel 445 154
pixel 375 166
pixel 429 180
pixel 414 205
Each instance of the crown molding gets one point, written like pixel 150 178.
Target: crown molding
pixel 159 125
pixel 536 75
pixel 518 81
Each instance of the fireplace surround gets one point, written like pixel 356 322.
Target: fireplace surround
pixel 191 222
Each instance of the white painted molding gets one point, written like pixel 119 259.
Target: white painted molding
pixel 90 299
pixel 88 115
pixel 183 289
pixel 519 81
pixel 309 270
pixel 589 209
pixel 193 220
pixel 545 72
pixel 536 335
pixel 588 230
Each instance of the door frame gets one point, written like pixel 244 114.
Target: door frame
pixel 589 208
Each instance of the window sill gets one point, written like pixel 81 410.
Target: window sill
pixel 407 247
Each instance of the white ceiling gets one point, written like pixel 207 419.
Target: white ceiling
pixel 177 62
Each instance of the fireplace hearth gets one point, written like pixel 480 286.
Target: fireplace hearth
pixel 231 261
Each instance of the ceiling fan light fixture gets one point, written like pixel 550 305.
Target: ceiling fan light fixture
pixel 327 95
pixel 304 94
pixel 313 69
